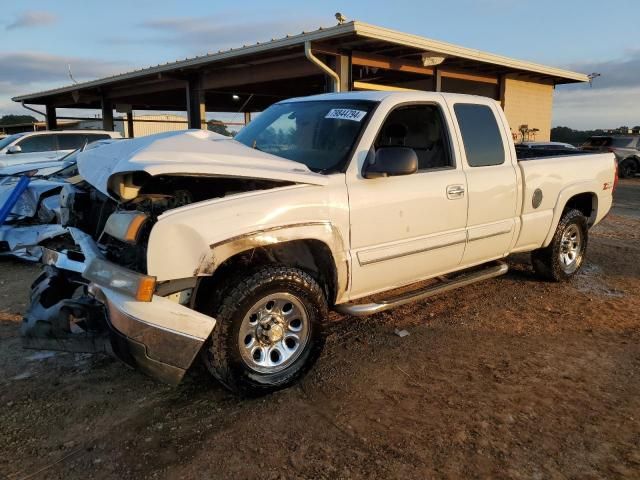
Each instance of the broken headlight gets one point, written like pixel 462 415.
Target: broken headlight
pixel 108 275
pixel 125 226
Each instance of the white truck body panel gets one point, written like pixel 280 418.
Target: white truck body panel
pixel 395 230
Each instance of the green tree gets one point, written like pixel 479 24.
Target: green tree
pixel 217 127
pixel 574 137
pixel 13 119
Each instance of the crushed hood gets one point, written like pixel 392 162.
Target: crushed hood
pixel 189 152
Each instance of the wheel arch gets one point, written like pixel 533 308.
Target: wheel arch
pixel 314 248
pixel 580 197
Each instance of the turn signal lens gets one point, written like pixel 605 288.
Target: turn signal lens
pixel 126 225
pixel 134 227
pixel 146 287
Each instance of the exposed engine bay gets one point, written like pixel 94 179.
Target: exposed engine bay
pixel 86 208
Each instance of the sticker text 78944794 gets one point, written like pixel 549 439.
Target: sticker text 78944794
pixel 346 114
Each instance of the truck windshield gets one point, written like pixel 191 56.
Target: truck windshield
pixel 319 134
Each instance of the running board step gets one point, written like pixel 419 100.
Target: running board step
pixel 494 269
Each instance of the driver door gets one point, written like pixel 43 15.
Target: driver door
pixel 408 228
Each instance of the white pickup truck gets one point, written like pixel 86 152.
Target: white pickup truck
pixel 190 243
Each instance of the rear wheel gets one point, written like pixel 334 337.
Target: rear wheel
pixel 269 331
pixel 563 257
pixel 629 168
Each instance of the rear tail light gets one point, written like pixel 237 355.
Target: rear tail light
pixel 615 178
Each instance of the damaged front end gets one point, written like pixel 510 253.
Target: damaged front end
pixel 96 293
pixel 99 310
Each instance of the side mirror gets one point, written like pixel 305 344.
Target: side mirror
pixel 14 149
pixel 390 162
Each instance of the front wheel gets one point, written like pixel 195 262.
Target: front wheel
pixel 563 257
pixel 269 331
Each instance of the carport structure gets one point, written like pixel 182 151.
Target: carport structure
pixel 348 56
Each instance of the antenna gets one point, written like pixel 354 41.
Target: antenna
pixel 71 74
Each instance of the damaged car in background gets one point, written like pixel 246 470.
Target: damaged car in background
pixel 34 216
pixel 189 243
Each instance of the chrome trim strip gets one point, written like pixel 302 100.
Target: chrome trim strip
pixel 411 252
pixel 489 235
pixel 360 310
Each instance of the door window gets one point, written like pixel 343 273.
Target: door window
pixel 480 135
pixel 38 143
pixel 422 128
pixel 71 141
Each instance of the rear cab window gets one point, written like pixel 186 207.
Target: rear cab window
pixel 481 136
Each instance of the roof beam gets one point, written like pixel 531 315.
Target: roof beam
pixel 471 77
pixel 258 74
pixel 379 87
pixel 160 86
pixel 388 63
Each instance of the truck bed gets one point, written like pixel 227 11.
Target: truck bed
pixel 537 153
pixel 556 178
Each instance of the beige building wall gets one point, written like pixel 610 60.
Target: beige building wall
pixel 162 123
pixel 528 103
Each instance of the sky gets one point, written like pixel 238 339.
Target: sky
pixel 39 40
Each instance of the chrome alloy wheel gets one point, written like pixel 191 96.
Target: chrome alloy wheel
pixel 571 249
pixel 273 333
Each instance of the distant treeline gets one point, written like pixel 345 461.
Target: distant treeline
pixel 574 137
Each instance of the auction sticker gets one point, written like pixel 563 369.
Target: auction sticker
pixel 346 114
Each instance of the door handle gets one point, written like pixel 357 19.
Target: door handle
pixel 455 191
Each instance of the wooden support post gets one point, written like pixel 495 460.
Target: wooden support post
pixel 107 114
pixel 247 117
pixel 343 69
pixel 196 111
pixel 503 88
pixel 130 124
pixel 437 80
pixel 51 120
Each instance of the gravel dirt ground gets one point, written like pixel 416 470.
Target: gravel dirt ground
pixel 511 378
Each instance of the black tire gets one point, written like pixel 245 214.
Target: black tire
pixel 547 261
pixel 222 355
pixel 629 168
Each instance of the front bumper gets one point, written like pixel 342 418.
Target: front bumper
pixel 19 241
pixel 160 337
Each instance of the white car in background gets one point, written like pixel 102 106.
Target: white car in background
pixel 47 145
pixel 36 215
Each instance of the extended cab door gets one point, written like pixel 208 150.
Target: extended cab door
pixel 492 182
pixel 411 227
